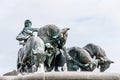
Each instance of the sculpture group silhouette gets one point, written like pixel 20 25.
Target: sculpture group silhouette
pixel 46 51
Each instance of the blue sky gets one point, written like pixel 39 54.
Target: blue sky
pixel 90 21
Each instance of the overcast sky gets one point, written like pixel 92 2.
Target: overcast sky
pixel 90 21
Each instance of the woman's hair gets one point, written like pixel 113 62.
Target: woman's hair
pixel 27 21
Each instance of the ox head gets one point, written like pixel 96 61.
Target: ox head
pixel 104 64
pixel 62 37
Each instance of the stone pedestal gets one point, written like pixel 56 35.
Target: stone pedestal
pixel 65 76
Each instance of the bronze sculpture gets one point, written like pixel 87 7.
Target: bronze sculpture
pixel 48 49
